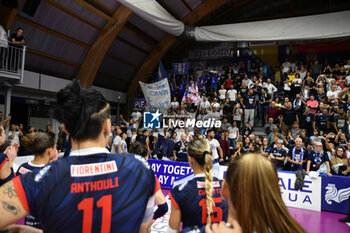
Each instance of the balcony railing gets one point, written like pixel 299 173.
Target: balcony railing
pixel 12 59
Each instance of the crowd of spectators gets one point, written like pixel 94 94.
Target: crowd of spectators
pixel 298 106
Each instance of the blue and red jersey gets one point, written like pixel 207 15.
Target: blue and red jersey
pixel 89 191
pixel 190 198
pixel 3 160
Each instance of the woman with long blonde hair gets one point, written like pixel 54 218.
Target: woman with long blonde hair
pixel 199 200
pixel 254 198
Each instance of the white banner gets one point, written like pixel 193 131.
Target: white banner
pixel 157 94
pixel 309 197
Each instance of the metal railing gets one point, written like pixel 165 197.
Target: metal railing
pixel 12 59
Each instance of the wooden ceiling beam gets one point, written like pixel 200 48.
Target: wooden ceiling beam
pixel 8 15
pixel 50 31
pixel 99 49
pixel 52 58
pixel 72 13
pixel 95 10
pixel 187 5
pixel 131 45
pixel 114 77
pixel 99 5
pixel 138 36
pixel 118 59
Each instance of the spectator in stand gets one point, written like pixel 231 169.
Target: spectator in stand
pixel 273 112
pixel 286 66
pixel 289 116
pixel 215 146
pixel 340 119
pixel 228 82
pixel 249 103
pixel 180 150
pixel 222 94
pixel 265 100
pixel 130 125
pixel 265 148
pixel 274 135
pixel 332 94
pixel 269 126
pixel 14 134
pixel 136 115
pixel 316 69
pixel 312 104
pixel 296 85
pixel 214 81
pixel 233 134
pixel 204 104
pixel 122 147
pixel 14 58
pixel 171 146
pixel 224 145
pixel 278 155
pixel 116 141
pixel 174 105
pixel 271 89
pixel 340 162
pixel 297 155
pixel 50 131
pixel 317 158
pixel 238 114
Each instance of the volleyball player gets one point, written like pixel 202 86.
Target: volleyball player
pixel 254 199
pixel 43 146
pixel 197 201
pixel 91 190
pixel 6 159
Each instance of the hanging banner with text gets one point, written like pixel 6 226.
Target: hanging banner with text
pixel 157 94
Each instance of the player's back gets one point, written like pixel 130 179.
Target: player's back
pixel 190 198
pixel 90 191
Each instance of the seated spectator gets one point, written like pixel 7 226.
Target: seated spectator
pixel 317 158
pixel 269 126
pixel 278 155
pixel 265 148
pixel 297 155
pixel 340 162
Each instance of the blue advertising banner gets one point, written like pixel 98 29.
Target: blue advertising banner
pixel 168 171
pixel 335 194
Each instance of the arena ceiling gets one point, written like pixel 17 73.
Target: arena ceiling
pixel 103 43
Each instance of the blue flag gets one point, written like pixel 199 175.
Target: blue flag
pixel 181 68
pixel 161 74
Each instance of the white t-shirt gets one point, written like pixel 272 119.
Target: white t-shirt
pixel 286 66
pixel 232 93
pixel 270 88
pixel 333 94
pixel 174 104
pixel 297 82
pixel 222 94
pixel 116 143
pixel 214 144
pixel 204 105
pixel 237 115
pixel 15 138
pixel 216 105
pixel 135 116
pixel 232 132
pixel 121 145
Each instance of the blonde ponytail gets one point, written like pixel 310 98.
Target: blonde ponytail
pixel 208 167
pixel 200 150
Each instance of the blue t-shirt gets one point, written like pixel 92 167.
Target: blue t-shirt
pixel 181 152
pixel 278 154
pixel 249 101
pixel 214 81
pixel 89 191
pixel 190 199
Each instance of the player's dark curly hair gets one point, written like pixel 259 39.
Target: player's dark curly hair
pixel 81 110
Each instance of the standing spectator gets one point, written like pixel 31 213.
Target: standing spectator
pixel 214 80
pixel 122 147
pixel 249 104
pixel 50 131
pixel 233 134
pixel 224 145
pixel 312 104
pixel 222 94
pixel 215 146
pixel 316 69
pixel 180 151
pixel 225 125
pixel 265 100
pixel 289 116
pixel 232 94
pixel 171 146
pixel 174 105
pixel 286 66
pixel 14 134
pixel 297 155
pixel 339 120
pixel 271 89
pixel 273 112
pixel 237 114
pixel 136 115
pixel 17 40
pixel 269 126
pixel 333 93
